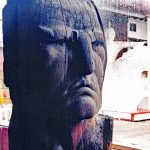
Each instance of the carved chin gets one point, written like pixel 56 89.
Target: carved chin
pixel 84 107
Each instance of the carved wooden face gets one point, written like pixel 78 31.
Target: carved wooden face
pixel 73 57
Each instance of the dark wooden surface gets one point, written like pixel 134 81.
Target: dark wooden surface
pixel 54 64
pixel 103 133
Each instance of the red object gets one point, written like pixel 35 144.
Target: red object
pixel 4 139
pixel 5 94
pixel 0 138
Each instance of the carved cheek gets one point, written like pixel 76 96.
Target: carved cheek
pixel 99 69
pixel 56 54
pixel 56 62
pixel 52 53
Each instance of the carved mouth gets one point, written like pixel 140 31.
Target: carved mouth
pixel 83 91
pixel 81 83
pixel 81 88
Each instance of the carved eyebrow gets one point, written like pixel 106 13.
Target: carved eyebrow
pixel 99 36
pixel 95 36
pixel 91 35
pixel 48 31
pixel 57 32
pixel 49 35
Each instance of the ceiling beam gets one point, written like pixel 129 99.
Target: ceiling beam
pixel 123 12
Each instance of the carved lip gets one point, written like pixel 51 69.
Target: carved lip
pixel 81 83
pixel 81 88
pixel 84 91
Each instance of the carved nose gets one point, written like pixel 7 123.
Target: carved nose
pixel 87 60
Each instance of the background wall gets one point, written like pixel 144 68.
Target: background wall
pixel 118 21
pixel 141 29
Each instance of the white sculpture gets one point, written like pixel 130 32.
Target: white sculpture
pixel 122 89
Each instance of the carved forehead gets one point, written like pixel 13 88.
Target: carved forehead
pixel 77 14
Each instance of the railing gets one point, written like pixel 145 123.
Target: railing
pixel 121 147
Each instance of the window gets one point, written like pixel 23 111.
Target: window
pixel 133 27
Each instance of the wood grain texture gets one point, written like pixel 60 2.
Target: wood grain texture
pixel 54 65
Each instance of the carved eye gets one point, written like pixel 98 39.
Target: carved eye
pixel 97 43
pixel 98 47
pixel 60 42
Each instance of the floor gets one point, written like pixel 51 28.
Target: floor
pixel 132 134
